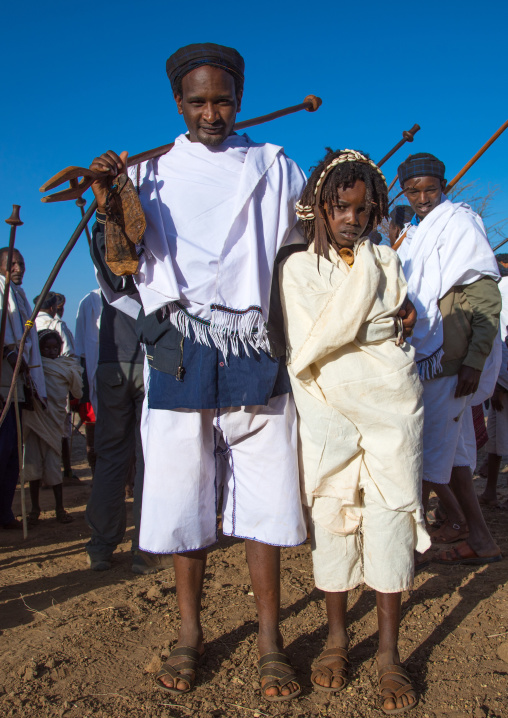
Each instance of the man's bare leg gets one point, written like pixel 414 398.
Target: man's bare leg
pixel 489 495
pixel 388 618
pixel 264 568
pixel 480 538
pixel 189 574
pixel 448 499
pixel 336 610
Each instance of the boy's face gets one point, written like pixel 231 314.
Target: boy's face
pixel 393 232
pixel 50 348
pixel 424 194
pixel 348 218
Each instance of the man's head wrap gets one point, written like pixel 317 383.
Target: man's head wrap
pixel 50 301
pixel 46 334
pixel 190 57
pixel 420 165
pixel 402 214
pixel 503 271
pixel 59 299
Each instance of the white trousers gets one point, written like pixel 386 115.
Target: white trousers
pixel 248 452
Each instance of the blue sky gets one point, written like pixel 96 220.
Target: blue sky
pixel 78 79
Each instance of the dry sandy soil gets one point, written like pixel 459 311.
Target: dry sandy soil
pixel 78 643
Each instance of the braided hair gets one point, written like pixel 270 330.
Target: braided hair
pixel 343 176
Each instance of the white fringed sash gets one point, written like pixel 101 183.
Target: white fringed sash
pixel 216 218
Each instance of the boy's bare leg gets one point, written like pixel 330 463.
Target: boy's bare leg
pixel 189 574
pixel 388 618
pixel 336 610
pixel 480 538
pixel 448 499
pixel 264 568
pixel 489 495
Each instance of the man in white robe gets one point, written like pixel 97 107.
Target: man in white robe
pixel 452 280
pixel 18 313
pixel 218 412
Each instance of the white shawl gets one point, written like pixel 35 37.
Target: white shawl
pixel 216 218
pixel 62 375
pixel 88 322
pixel 45 321
pixel 19 312
pixel 448 248
pixel 357 393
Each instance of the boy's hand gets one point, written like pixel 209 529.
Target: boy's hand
pixel 111 165
pixel 497 398
pixel 409 316
pixel 467 381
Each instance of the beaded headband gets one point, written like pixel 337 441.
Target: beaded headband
pixel 306 212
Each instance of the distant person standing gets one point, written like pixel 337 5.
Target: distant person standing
pixel 88 322
pixel 19 312
pixel 50 317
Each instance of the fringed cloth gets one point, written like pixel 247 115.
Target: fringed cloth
pixel 447 248
pixel 216 218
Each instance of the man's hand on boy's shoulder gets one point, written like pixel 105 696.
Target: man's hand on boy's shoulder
pixel 408 315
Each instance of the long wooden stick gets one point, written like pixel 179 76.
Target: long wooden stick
pixel 407 136
pixel 476 157
pixel 500 244
pixel 21 463
pixel 71 174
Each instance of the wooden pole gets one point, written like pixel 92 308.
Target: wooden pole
pixel 476 157
pixel 20 461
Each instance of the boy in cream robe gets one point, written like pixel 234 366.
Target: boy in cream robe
pixel 358 397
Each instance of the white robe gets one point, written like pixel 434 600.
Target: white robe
pixel 357 393
pixel 88 322
pixel 216 218
pixel 19 312
pixel 62 375
pixel 447 248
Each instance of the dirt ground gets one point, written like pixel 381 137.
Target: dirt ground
pixel 79 643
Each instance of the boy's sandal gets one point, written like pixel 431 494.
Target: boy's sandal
pixel 189 658
pixel 277 668
pixel 449 533
pixel 33 519
pixel 326 666
pixel 394 683
pixel 63 517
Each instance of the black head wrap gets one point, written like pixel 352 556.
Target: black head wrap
pixel 46 334
pixel 420 165
pixel 402 214
pixel 50 301
pixel 59 299
pixel 190 57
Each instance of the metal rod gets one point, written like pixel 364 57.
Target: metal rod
pixel 42 296
pixel 14 222
pixel 476 157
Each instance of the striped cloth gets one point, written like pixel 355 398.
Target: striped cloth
pixel 190 57
pixel 420 165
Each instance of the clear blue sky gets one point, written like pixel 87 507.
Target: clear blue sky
pixel 81 78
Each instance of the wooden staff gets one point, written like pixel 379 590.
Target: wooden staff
pixel 20 462
pixel 14 222
pixel 407 136
pixel 500 244
pixel 71 174
pixel 476 157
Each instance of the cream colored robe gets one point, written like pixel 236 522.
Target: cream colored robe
pixel 358 394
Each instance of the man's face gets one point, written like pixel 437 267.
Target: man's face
pixel 208 104
pixel 348 218
pixel 17 268
pixel 424 194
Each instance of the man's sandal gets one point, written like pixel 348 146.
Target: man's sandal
pixel 464 554
pixel 63 517
pixel 326 665
pixel 189 658
pixel 449 533
pixel 277 668
pixel 394 683
pixel 33 519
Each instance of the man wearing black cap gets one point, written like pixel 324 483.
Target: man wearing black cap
pixel 452 280
pixel 219 416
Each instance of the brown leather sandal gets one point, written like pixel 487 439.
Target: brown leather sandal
pixel 276 666
pixel 340 672
pixel 189 658
pixel 394 683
